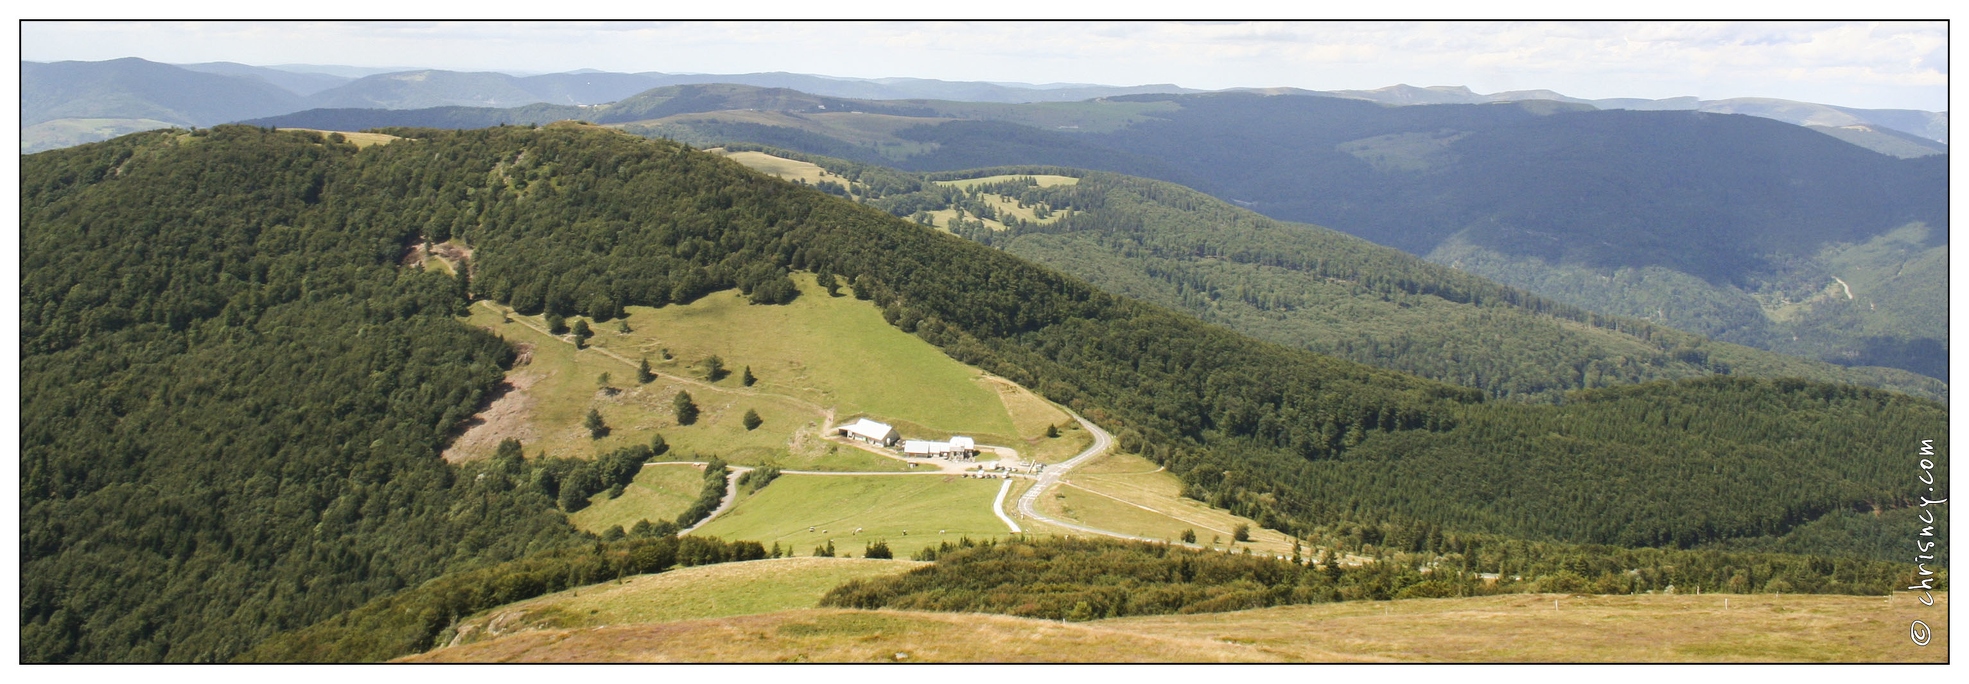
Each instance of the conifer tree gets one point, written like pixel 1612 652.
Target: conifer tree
pixel 686 408
pixel 596 428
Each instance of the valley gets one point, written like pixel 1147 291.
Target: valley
pixel 775 312
pixel 1458 177
pixel 1309 287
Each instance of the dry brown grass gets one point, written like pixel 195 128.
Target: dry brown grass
pixel 821 635
pixel 361 140
pixel 1031 415
pixel 1530 628
pixel 1127 493
pixel 1517 628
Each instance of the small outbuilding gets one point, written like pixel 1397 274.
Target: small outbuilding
pixel 957 447
pixel 880 434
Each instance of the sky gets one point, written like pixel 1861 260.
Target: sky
pixel 1856 64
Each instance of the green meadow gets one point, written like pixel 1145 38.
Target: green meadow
pixel 659 493
pixel 706 591
pixel 1044 180
pixel 907 511
pixel 831 351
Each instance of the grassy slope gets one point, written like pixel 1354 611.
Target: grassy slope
pixel 706 591
pixel 907 511
pixel 1531 628
pixel 831 351
pixel 59 133
pixel 790 169
pixel 561 387
pixel 1126 493
pixel 659 493
pixel 360 139
pixel 820 351
pixel 1044 180
pixel 1515 628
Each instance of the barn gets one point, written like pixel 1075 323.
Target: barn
pixel 880 434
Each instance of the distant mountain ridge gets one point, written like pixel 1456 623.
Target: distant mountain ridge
pixel 137 89
pixel 1929 125
pixel 123 90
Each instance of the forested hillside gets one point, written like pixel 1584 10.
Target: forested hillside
pixel 1305 286
pixel 234 397
pixel 233 400
pixel 1091 579
pixel 1718 224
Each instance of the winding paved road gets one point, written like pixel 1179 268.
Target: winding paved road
pixel 1051 477
pixel 1027 503
pixel 998 506
pixel 731 493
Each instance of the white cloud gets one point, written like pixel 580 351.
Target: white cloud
pixel 1866 64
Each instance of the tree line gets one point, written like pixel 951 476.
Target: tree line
pixel 1075 579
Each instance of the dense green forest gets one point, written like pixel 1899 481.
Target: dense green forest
pixel 232 401
pixel 1090 579
pixel 234 398
pixel 1881 302
pixel 1327 292
pixel 420 618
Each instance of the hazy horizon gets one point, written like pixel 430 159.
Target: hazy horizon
pixel 1870 65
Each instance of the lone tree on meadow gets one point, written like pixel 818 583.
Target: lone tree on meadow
pixel 714 368
pixel 752 421
pixel 878 550
pixel 596 428
pixel 581 334
pixel 1052 431
pixel 643 373
pixel 556 325
pixel 1189 536
pixel 747 378
pixel 1241 533
pixel 686 409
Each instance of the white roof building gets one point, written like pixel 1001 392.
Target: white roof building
pixel 869 431
pixel 957 446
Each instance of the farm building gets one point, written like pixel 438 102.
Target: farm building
pixel 957 447
pixel 869 431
